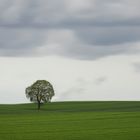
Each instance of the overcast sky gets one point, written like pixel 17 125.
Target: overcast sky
pixel 88 49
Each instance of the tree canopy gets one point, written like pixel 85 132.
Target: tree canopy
pixel 40 92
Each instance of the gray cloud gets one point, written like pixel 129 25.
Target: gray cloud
pixel 23 42
pixel 81 86
pixel 136 66
pixel 81 29
pixel 76 90
pixel 109 35
pixel 100 80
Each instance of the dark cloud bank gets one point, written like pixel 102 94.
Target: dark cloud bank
pixel 80 29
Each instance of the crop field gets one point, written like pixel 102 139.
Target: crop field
pixel 71 121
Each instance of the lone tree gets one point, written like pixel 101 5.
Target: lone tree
pixel 40 92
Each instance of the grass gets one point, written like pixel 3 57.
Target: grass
pixel 71 121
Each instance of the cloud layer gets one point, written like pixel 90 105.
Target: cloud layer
pixel 79 29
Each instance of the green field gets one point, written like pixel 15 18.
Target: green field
pixel 71 121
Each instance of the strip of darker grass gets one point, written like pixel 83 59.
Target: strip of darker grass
pixel 82 106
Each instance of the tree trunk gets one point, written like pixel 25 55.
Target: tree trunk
pixel 38 105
